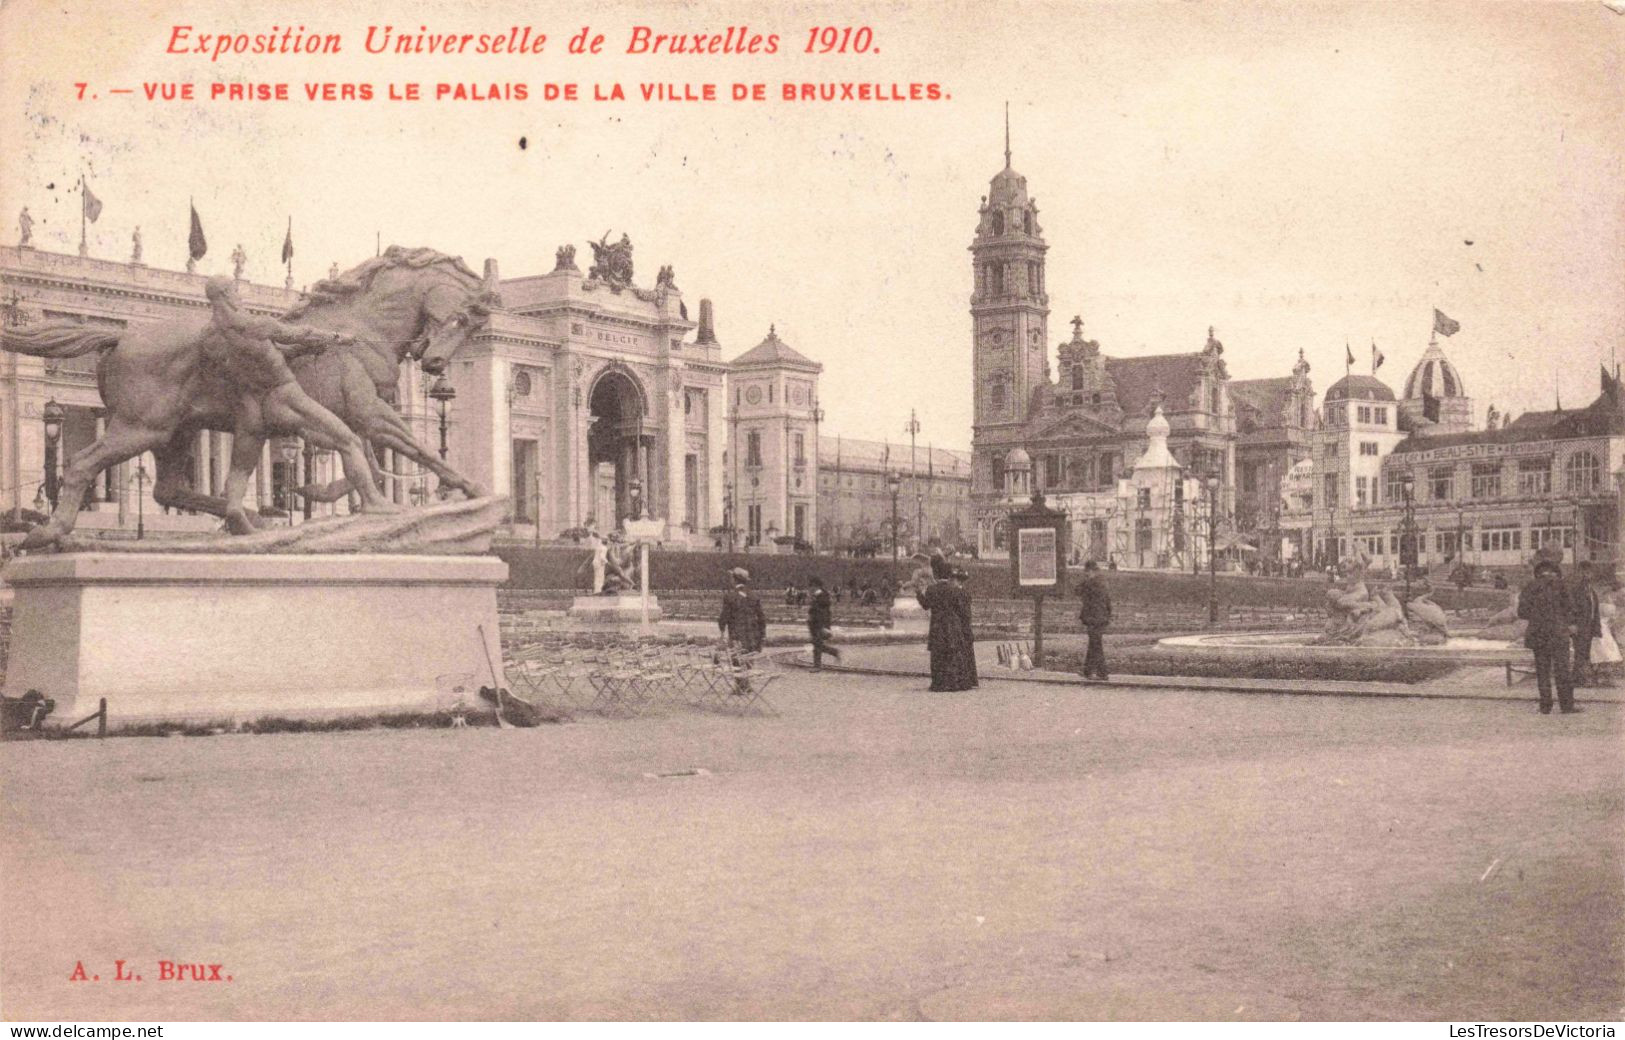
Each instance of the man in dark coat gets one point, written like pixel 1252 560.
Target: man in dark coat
pixel 1545 604
pixel 819 619
pixel 1096 614
pixel 953 654
pixel 1586 616
pixel 742 621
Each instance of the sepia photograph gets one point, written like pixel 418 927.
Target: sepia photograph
pixel 804 512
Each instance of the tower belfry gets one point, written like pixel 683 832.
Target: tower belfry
pixel 1009 313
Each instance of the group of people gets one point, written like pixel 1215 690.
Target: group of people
pixel 1570 628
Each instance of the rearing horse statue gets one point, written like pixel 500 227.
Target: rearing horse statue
pixel 407 304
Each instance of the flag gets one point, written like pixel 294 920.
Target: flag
pixel 287 243
pixel 93 205
pixel 196 244
pixel 1444 326
pixel 1430 407
pixel 1376 358
pixel 1349 362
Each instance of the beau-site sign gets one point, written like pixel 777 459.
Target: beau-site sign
pixel 1038 542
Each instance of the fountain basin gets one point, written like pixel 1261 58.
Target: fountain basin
pixel 1464 649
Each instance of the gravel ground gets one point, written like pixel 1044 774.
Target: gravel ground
pixel 874 852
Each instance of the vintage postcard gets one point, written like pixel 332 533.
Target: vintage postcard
pixel 911 511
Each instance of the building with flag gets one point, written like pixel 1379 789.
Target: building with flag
pixel 1079 435
pixel 1388 473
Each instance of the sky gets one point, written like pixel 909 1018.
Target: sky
pixel 1299 176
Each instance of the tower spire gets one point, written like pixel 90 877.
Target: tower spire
pixel 1007 135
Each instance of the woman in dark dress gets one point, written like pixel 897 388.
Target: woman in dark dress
pixel 953 654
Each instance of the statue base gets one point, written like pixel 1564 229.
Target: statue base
pixel 908 616
pixel 624 608
pixel 203 638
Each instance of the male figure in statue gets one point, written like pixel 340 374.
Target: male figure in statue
pixel 252 353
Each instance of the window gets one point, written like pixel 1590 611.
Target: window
pixel 1027 221
pixel 998 222
pixel 1052 471
pixel 1364 413
pixel 1329 498
pixel 1249 476
pixel 801 449
pixel 1143 498
pixel 753 529
pixel 1368 449
pixel 995 397
pixel 1379 416
pixel 998 474
pixel 1440 479
pixel 1362 490
pixel 1444 542
pixel 753 448
pixel 1393 485
pixel 800 522
pixel 1501 539
pixel 1077 377
pixel 1555 537
pixel 1583 472
pixel 1213 399
pixel 1486 480
pixel 1534 476
pixel 1106 470
pixel 1142 534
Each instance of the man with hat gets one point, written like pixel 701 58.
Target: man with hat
pixel 820 618
pixel 1585 611
pixel 742 621
pixel 1547 606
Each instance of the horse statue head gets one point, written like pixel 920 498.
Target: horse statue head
pixel 415 304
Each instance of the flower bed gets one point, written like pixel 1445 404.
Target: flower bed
pixel 1143 659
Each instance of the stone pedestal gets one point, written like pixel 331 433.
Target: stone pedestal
pixel 197 637
pixel 908 616
pixel 615 609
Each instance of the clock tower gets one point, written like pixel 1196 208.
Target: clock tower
pixel 1009 311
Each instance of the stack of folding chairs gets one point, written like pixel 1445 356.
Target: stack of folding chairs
pixel 609 674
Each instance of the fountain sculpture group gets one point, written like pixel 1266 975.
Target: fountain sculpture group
pixel 1358 616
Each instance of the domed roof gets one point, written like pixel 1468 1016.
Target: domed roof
pixel 1008 188
pixel 1359 388
pixel 1435 376
pixel 1018 459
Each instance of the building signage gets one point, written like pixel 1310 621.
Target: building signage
pixel 1476 451
pixel 1037 554
pixel 617 339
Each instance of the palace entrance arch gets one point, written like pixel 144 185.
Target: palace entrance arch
pixel 619 449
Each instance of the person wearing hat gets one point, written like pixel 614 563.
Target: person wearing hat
pixel 1095 611
pixel 820 616
pixel 953 654
pixel 742 622
pixel 1546 605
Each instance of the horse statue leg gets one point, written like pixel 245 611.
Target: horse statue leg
pixel 385 428
pixel 172 484
pixel 123 440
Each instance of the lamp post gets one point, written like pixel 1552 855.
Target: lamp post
pixel 1407 537
pixel 728 511
pixel 310 478
pixel 443 393
pixel 894 483
pixel 818 458
pixel 54 415
pixel 290 455
pixel 1212 483
pixel 140 493
pixel 634 499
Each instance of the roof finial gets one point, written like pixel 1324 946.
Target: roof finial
pixel 772 329
pixel 1007 135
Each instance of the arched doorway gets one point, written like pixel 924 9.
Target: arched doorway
pixel 618 449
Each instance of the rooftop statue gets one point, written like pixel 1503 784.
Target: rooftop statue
pixel 612 263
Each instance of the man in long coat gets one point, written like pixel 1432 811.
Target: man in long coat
pixel 1095 613
pixel 1586 615
pixel 953 654
pixel 1545 604
pixel 742 622
pixel 820 618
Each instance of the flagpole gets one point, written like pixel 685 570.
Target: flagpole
pixel 84 248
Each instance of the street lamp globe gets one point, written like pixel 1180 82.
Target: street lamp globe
pixel 442 391
pixel 54 415
pixel 894 481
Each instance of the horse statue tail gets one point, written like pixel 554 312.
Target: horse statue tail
pixel 58 339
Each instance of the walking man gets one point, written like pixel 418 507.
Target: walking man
pixel 1096 614
pixel 1545 604
pixel 820 616
pixel 1586 615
